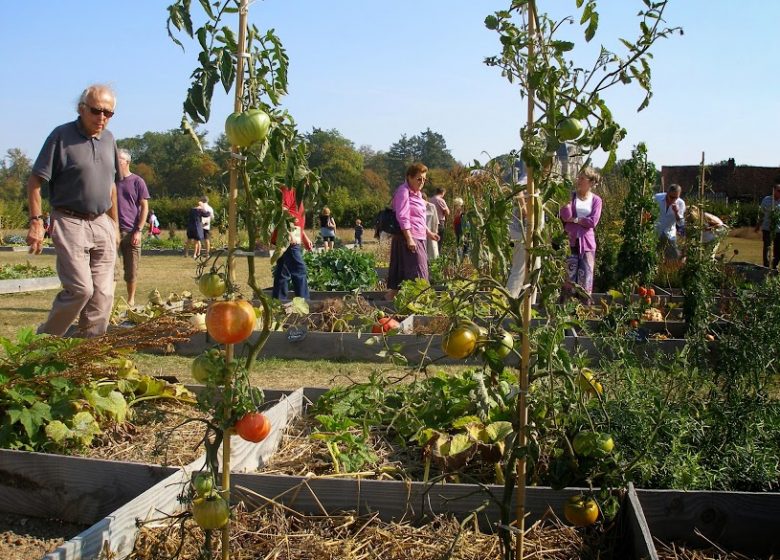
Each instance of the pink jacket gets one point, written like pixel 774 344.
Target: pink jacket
pixel 584 231
pixel 410 211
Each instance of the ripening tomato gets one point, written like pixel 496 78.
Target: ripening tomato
pixel 459 342
pixel 384 324
pixel 648 300
pixel 634 323
pixel 230 322
pixel 212 284
pixel 642 291
pixel 588 383
pixel 253 426
pixel 651 292
pixel 581 511
pixel 210 512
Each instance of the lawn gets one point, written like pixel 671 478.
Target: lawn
pixel 176 274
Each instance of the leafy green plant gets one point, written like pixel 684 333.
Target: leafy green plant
pixel 341 270
pixel 27 270
pixel 60 393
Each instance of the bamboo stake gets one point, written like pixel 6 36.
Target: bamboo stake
pixel 232 236
pixel 525 352
pixel 701 201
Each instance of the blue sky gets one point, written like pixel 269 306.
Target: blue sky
pixel 375 70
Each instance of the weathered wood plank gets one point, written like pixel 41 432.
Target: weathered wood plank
pixel 639 532
pixel 741 521
pixel 73 489
pixel 21 285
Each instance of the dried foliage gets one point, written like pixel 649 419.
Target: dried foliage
pixel 275 531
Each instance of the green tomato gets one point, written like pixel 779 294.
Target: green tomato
pixel 212 284
pixel 211 512
pixel 203 483
pixel 244 129
pixel 570 129
pixel 502 345
pixel 208 366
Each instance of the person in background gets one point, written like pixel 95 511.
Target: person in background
pixel 207 225
pixel 408 254
pixel 327 228
pixel 432 223
pixel 359 234
pixel 442 213
pixel 154 225
pixel 133 204
pixel 195 230
pixel 713 228
pixel 670 219
pixel 457 223
pixel 46 225
pixel 580 218
pixel 287 259
pixel 770 225
pixel 80 162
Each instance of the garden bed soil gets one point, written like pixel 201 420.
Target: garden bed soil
pixel 26 538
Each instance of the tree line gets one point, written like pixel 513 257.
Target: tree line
pixel 358 181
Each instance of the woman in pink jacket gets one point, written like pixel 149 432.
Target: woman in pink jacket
pixel 580 218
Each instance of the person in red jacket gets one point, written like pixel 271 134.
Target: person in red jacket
pixel 288 257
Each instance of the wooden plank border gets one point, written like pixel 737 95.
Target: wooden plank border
pixel 21 285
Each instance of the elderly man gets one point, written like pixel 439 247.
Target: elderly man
pixel 79 161
pixel 133 202
pixel 670 218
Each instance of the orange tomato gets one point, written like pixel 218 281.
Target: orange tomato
pixel 230 322
pixel 253 426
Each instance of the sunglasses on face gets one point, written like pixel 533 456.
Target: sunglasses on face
pixel 95 111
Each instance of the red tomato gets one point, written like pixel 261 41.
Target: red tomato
pixel 385 324
pixel 642 291
pixel 230 322
pixel 648 300
pixel 650 292
pixel 253 426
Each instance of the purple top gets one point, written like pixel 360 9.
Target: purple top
pixel 409 210
pixel 130 191
pixel 583 231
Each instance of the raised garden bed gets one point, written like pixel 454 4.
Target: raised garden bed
pixel 21 285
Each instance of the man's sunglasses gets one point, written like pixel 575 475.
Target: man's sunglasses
pixel 95 111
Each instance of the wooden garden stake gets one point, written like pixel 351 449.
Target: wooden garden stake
pixel 522 404
pixel 701 201
pixel 232 236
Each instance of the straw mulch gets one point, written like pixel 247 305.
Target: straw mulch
pixel 281 534
pixel 675 551
pixel 153 435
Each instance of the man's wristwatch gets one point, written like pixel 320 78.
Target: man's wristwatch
pixel 34 218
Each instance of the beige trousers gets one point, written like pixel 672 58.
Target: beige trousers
pixel 86 255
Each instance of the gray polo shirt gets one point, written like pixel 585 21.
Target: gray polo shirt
pixel 80 169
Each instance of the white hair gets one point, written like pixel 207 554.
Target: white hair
pixel 93 91
pixel 124 154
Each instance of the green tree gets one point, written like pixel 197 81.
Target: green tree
pixel 431 149
pixel 336 159
pixel 15 168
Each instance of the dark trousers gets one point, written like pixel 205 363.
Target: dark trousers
pixel 774 242
pixel 441 236
pixel 290 266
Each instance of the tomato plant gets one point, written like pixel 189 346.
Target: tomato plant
pixel 502 345
pixel 244 129
pixel 588 383
pixel 211 512
pixel 230 322
pixel 581 511
pixel 253 426
pixel 212 284
pixel 570 129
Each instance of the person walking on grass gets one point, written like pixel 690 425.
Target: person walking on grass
pixel 207 225
pixel 133 204
pixel 80 162
pixel 770 225
pixel 195 230
pixel 359 234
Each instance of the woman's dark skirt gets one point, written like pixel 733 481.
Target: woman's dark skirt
pixel 405 265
